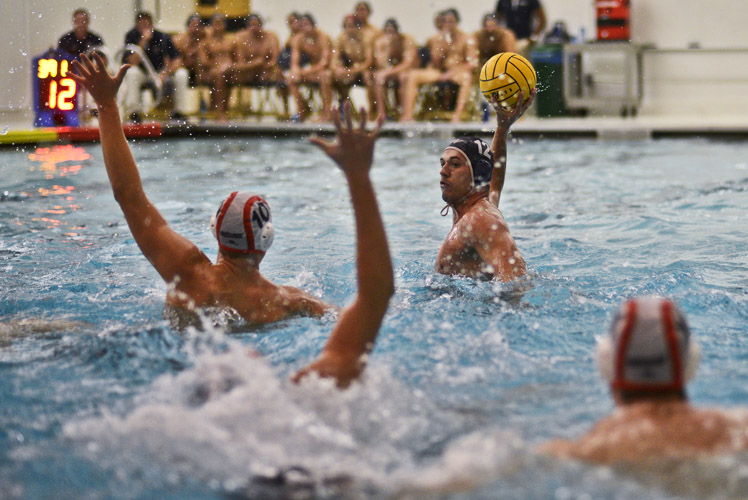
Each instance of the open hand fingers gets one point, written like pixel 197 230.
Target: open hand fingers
pixel 530 99
pixel 79 72
pixel 322 144
pixel 100 62
pixel 348 111
pixel 121 74
pixel 520 103
pixel 378 126
pixel 362 119
pixel 336 119
pixel 86 62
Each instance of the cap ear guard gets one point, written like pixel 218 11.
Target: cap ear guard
pixel 213 221
pixel 267 235
pixel 605 357
pixel 692 361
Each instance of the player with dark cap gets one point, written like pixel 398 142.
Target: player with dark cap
pixel 472 177
pixel 647 358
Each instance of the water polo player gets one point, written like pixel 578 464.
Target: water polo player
pixel 242 225
pixel 472 178
pixel 647 358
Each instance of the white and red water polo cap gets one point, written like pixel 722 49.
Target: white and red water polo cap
pixel 648 347
pixel 243 224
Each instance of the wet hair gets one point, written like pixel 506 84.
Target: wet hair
pixel 308 17
pixel 356 20
pixel 81 11
pixel 193 16
pixel 142 14
pixel 365 4
pixel 452 11
pixel 488 16
pixel 254 16
pixel 438 18
pixel 393 22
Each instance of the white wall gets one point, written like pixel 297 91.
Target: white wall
pixel 28 27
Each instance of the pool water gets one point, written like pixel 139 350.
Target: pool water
pixel 101 398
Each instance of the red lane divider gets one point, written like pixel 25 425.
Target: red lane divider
pixel 91 134
pixel 152 129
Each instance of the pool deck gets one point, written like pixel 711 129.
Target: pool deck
pixel 605 128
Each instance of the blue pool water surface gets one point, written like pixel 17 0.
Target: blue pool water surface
pixel 101 398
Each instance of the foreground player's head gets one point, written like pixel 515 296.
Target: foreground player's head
pixel 648 351
pixel 243 224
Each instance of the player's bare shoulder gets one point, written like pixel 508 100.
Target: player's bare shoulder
pixel 484 218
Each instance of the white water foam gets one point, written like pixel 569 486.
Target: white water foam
pixel 230 418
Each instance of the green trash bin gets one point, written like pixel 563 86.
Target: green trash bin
pixel 548 61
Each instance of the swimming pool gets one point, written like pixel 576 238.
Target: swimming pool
pixel 105 400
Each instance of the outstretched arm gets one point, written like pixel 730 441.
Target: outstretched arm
pixel 505 117
pixel 168 252
pixel 344 356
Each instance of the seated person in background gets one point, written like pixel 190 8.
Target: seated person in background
pixel 352 57
pixel 217 57
pixel 164 57
pixel 76 42
pixel 284 59
pixel 255 54
pixel 79 40
pixel 472 178
pixel 188 45
pixel 395 54
pixel 493 39
pixel 525 18
pixel 454 58
pixel 647 358
pixel 362 11
pixel 242 226
pixel 312 45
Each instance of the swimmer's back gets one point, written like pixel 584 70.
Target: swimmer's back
pixel 257 300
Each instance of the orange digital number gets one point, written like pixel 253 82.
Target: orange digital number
pixel 47 68
pixel 64 99
pixel 52 102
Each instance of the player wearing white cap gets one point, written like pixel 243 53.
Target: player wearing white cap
pixel 243 228
pixel 647 358
pixel 242 244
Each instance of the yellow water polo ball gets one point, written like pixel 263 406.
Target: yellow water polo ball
pixel 506 74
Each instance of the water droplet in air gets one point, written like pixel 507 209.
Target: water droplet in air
pixel 4 130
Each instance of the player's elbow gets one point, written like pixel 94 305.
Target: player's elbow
pixel 379 289
pixel 123 195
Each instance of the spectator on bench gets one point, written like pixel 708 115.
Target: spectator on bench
pixel 166 61
pixel 454 58
pixel 396 53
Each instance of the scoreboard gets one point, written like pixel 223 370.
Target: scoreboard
pixel 55 94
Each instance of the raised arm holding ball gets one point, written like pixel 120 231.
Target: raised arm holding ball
pixel 472 178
